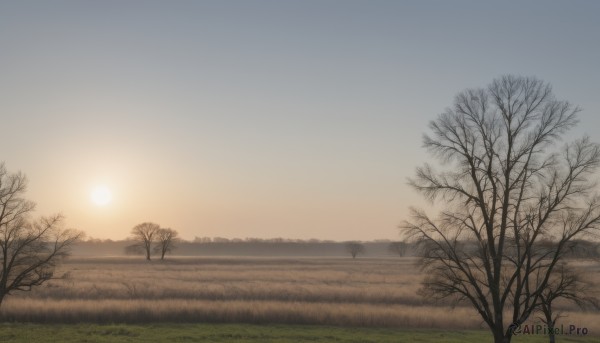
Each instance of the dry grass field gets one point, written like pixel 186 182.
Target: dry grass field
pixel 338 292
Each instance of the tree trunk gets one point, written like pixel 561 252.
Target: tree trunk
pixel 500 336
pixel 550 323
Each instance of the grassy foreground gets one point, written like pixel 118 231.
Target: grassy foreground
pixel 243 333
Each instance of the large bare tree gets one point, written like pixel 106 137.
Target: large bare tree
pixel 165 241
pixel 514 199
pixel 145 234
pixel 30 249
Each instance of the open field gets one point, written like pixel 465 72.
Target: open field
pixel 340 292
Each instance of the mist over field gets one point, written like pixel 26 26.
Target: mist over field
pixel 239 247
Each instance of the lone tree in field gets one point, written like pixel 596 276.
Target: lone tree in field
pixel 514 199
pixel 565 283
pixel 398 248
pixel 355 248
pixel 29 249
pixel 165 241
pixel 145 234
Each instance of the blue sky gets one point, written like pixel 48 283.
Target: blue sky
pixel 291 119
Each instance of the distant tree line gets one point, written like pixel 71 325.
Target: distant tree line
pixel 584 249
pixel 241 247
pixel 257 240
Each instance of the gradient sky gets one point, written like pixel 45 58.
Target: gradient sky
pixel 296 119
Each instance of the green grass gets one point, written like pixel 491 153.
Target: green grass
pixel 243 333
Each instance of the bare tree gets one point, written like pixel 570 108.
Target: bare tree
pixel 145 234
pixel 508 188
pixel 355 248
pixel 165 241
pixel 565 283
pixel 398 248
pixel 30 250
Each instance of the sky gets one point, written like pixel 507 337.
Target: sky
pixel 294 119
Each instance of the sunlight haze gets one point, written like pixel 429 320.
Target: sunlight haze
pixel 260 118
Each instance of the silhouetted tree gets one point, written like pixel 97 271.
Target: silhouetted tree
pixel 506 189
pixel 567 284
pixel 355 248
pixel 398 248
pixel 165 239
pixel 29 250
pixel 145 234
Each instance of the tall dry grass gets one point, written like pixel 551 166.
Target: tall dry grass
pixel 235 311
pixel 366 292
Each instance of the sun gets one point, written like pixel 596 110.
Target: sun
pixel 101 195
